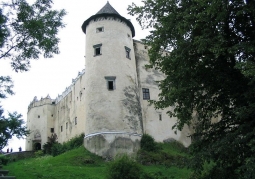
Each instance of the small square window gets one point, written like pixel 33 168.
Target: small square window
pixel 52 130
pixel 38 116
pixel 100 29
pixel 110 82
pixel 97 49
pixel 146 93
pixel 61 128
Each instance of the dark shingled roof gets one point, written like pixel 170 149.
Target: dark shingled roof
pixel 107 11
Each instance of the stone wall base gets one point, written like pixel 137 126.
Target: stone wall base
pixel 111 144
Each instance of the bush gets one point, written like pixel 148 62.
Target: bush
pixel 4 160
pixel 75 142
pixel 124 168
pixel 57 149
pixel 148 143
pixel 39 153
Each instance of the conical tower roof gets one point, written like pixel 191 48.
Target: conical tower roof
pixel 106 11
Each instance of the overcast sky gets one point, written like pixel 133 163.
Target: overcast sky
pixel 52 76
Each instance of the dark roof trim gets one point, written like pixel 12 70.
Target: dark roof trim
pixel 130 25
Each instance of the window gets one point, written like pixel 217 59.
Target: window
pixel 75 120
pixel 61 128
pixel 100 29
pixel 97 49
pixel 160 117
pixel 146 93
pixel 52 115
pixel 52 130
pixel 67 125
pixel 110 82
pixel 127 52
pixel 38 116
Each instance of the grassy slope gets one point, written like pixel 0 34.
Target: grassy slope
pixel 76 164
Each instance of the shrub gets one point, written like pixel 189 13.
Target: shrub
pixel 39 153
pixel 4 160
pixel 57 149
pixel 75 142
pixel 124 168
pixel 148 143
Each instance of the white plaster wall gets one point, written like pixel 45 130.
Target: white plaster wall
pixel 57 115
pixel 40 125
pixel 67 109
pixel 148 78
pixel 110 110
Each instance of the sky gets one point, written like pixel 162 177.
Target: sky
pixel 51 76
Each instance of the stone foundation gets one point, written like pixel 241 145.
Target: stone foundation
pixel 110 144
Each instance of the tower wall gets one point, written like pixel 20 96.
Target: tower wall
pixel 39 122
pixel 112 116
pixel 156 122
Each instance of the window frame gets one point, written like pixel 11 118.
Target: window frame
pixel 146 93
pixel 98 29
pixel 127 51
pixel 110 79
pixel 96 47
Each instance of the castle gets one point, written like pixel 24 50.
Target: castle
pixel 108 101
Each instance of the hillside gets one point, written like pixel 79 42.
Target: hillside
pixel 79 163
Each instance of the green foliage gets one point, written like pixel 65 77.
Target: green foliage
pixel 11 126
pixel 39 153
pixel 80 163
pixel 54 148
pixel 148 143
pixel 210 74
pixel 47 147
pixel 57 149
pixel 29 30
pixel 169 154
pixel 26 32
pixel 4 160
pixel 124 168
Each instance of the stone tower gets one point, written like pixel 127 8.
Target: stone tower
pixel 112 108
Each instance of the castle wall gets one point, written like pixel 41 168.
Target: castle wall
pixel 70 112
pixel 111 113
pixel 156 122
pixel 46 116
pixel 39 122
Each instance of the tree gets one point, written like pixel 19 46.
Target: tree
pixel 11 126
pixel 210 73
pixel 27 31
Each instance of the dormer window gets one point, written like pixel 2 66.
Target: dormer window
pixel 100 29
pixel 97 49
pixel 127 52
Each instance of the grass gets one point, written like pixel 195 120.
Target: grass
pixel 79 163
